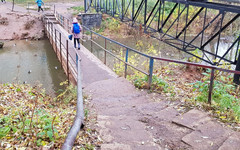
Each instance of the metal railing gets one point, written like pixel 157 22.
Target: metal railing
pixel 151 59
pixel 61 46
pixel 34 6
pixel 70 61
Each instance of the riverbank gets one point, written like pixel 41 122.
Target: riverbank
pixel 19 24
pixel 40 121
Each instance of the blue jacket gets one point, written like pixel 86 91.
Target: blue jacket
pixel 39 2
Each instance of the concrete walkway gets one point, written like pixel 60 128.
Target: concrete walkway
pixel 132 119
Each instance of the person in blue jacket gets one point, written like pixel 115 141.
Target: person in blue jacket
pixel 39 3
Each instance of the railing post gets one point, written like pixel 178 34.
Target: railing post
pixel 67 61
pixel 77 60
pixel 91 41
pixel 126 60
pixel 68 27
pixel 211 87
pixel 83 30
pixel 52 32
pixel 150 72
pixel 64 26
pixel 48 29
pixel 60 47
pixel 105 53
pixel 55 31
pixel 54 10
pixel 85 6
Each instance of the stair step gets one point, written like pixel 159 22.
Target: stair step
pixel 209 136
pixel 192 119
pixel 232 143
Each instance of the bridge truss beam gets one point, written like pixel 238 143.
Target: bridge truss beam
pixel 171 21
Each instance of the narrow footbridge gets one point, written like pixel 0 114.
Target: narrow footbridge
pixel 57 28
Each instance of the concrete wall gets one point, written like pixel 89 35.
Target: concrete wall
pixel 90 20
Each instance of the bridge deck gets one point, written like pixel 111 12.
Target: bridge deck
pixel 92 68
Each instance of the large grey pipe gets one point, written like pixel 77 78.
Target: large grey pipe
pixel 79 118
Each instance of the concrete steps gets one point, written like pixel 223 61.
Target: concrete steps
pixel 130 119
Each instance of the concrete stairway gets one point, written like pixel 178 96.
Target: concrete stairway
pixel 131 119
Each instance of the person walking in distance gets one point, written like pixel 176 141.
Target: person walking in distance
pixel 39 3
pixel 76 29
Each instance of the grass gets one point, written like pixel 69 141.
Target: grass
pixel 225 96
pixel 77 9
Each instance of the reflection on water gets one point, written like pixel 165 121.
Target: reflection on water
pixel 32 62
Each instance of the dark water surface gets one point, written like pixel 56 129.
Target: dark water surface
pixel 33 62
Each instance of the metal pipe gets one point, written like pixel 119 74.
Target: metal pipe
pixel 79 118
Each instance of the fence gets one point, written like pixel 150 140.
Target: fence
pixel 68 59
pixel 151 59
pixel 70 62
pixel 34 6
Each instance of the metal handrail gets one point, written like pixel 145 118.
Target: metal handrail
pixel 151 60
pixel 73 66
pixel 52 34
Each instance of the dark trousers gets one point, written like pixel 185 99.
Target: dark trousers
pixel 75 44
pixel 39 8
pixel 3 1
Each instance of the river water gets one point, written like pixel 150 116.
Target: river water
pixel 31 62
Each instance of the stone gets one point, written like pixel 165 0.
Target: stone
pixel 90 20
pixel 115 146
pixel 232 143
pixel 167 114
pixel 192 119
pixel 209 136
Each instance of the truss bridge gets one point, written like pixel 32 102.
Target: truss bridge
pixel 172 21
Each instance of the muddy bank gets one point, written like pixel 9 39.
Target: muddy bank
pixel 19 25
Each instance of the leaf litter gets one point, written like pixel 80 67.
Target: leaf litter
pixel 30 119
